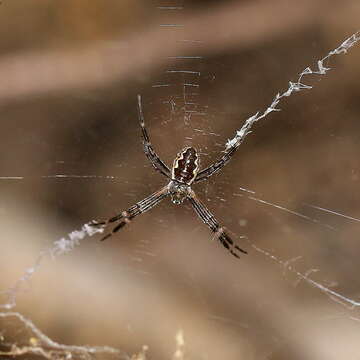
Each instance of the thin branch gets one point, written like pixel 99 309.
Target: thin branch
pixel 47 347
pixel 121 58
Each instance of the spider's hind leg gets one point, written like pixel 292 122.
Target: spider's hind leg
pixel 126 216
pixel 219 233
pixel 227 242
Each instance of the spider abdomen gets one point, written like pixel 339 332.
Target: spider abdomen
pixel 186 166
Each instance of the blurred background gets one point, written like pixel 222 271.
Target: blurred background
pixel 71 151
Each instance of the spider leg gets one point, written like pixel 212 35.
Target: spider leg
pixel 148 148
pixel 126 216
pixel 209 219
pixel 216 166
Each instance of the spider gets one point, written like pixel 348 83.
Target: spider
pixel 184 172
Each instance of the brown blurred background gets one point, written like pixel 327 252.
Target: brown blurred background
pixel 69 75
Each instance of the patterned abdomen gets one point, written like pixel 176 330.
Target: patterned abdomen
pixel 186 166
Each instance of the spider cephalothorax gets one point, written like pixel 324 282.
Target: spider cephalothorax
pixel 185 171
pixel 178 192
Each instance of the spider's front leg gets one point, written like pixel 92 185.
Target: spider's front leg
pixel 126 216
pixel 218 165
pixel 149 151
pixel 209 219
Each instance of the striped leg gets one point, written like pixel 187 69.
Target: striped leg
pixel 126 216
pixel 157 163
pixel 206 216
pixel 216 166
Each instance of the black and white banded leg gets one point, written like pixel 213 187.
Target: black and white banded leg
pixel 126 216
pixel 219 233
pixel 148 148
pixel 218 165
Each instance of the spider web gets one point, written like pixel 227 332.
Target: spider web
pixel 184 103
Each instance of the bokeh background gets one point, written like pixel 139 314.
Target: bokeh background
pixel 69 75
